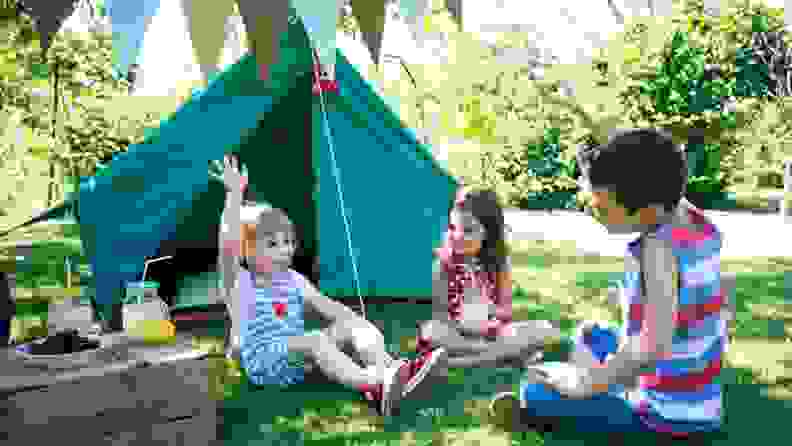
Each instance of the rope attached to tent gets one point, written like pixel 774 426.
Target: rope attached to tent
pixel 337 174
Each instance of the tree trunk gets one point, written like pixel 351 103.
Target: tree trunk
pixel 55 104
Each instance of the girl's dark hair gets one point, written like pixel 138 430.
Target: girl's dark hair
pixel 641 167
pixel 485 206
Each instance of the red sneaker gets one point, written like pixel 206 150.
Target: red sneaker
pixel 388 394
pixel 419 368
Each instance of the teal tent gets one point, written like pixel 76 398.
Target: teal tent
pixel 395 196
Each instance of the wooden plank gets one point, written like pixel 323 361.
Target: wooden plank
pixel 101 405
pixel 176 390
pixel 193 431
pixel 86 404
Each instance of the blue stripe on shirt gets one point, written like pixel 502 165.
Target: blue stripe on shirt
pixel 707 392
pixel 265 338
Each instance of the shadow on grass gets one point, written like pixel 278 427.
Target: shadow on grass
pixel 457 405
pixel 750 416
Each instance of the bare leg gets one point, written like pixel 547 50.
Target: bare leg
pixel 338 366
pixel 444 334
pixel 528 337
pixel 363 337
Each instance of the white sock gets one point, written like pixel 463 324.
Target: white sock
pixel 378 370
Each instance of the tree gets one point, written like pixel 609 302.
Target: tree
pixel 74 128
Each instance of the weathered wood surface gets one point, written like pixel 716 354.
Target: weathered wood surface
pixel 128 394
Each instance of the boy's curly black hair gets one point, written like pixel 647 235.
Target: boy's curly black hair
pixel 641 167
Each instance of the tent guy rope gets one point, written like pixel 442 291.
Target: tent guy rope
pixel 337 176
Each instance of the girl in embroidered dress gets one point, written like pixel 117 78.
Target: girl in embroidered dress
pixel 472 308
pixel 267 314
pixel 668 353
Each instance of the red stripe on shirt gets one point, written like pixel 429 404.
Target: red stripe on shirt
pixel 691 314
pixel 688 315
pixel 686 383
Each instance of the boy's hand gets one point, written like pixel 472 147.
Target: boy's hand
pixel 571 382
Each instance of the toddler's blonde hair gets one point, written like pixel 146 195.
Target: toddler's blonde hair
pixel 258 220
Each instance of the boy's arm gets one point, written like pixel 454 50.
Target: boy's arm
pixel 655 339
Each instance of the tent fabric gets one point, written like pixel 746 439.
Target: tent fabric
pixel 158 193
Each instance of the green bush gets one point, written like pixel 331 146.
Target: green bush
pixel 87 126
pixel 532 176
pixel 752 77
pixel 693 83
pixel 729 144
pixel 680 86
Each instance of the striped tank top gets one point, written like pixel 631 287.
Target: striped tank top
pixel 682 394
pixel 269 317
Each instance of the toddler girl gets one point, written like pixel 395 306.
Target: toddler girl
pixel 267 313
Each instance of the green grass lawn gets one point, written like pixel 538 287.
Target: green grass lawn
pixel 556 284
pixel 567 288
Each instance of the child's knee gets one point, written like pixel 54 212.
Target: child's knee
pixel 434 329
pixel 362 332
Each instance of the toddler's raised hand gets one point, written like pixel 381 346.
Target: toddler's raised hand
pixel 234 179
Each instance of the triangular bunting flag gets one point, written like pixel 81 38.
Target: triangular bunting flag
pixel 265 22
pixel 455 9
pixel 49 15
pixel 206 26
pixel 370 15
pixel 129 21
